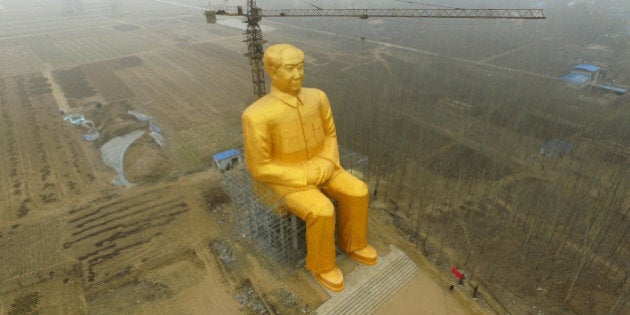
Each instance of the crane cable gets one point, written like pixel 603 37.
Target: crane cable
pixel 314 6
pixel 427 4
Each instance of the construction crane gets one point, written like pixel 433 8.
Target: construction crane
pixel 254 14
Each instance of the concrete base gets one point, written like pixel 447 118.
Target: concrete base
pixel 369 287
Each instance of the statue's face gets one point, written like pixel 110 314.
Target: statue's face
pixel 289 75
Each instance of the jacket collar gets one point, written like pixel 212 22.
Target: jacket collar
pixel 288 99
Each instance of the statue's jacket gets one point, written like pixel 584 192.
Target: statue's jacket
pixel 282 132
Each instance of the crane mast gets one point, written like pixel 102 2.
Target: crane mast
pixel 255 41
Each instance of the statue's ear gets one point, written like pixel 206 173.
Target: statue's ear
pixel 271 71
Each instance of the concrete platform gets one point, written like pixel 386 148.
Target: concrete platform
pixel 369 287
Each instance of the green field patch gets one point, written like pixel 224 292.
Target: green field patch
pixel 188 158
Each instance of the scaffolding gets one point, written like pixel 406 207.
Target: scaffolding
pixel 282 238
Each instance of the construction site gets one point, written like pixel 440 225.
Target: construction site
pixel 494 142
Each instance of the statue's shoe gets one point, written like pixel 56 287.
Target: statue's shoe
pixel 366 256
pixel 332 280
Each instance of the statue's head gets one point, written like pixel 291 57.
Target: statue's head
pixel 285 65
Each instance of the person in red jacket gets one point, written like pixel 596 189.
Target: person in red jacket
pixel 459 275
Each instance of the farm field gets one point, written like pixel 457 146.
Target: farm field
pixel 71 241
pixel 452 127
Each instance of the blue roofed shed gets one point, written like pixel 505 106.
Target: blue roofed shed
pixel 582 74
pixel 556 148
pixel 228 159
pixel 577 79
pixel 587 67
pixel 615 89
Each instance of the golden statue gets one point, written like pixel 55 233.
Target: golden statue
pixel 291 149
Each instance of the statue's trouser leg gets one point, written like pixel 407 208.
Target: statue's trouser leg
pixel 352 197
pixel 319 214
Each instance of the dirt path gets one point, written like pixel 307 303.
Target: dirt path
pixel 422 295
pixel 378 55
pixel 60 98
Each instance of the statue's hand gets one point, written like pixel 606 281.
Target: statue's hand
pixel 327 168
pixel 312 173
pixel 319 171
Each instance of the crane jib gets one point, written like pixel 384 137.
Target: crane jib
pixel 254 14
pixel 420 13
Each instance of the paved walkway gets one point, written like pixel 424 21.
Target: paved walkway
pixel 394 286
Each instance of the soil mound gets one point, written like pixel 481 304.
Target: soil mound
pixel 112 120
pixel 146 162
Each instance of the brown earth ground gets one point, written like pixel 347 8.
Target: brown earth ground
pixel 72 243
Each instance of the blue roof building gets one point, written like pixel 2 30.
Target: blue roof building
pixel 582 75
pixel 611 88
pixel 587 67
pixel 556 148
pixel 576 79
pixel 587 74
pixel 226 154
pixel 228 159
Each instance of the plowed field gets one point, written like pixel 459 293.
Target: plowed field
pixel 73 243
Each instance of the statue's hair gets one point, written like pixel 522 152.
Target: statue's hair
pixel 273 55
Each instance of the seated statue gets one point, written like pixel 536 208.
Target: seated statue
pixel 291 149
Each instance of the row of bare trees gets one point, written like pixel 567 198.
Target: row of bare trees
pixel 470 184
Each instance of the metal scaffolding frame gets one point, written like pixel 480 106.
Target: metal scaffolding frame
pixel 281 237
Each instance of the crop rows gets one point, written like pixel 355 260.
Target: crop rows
pixel 43 162
pixel 113 236
pixel 18 60
pixel 108 85
pixel 33 253
pixel 14 159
